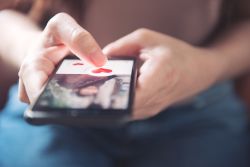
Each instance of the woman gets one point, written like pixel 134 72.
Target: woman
pixel 184 114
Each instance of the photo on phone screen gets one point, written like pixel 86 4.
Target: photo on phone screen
pixel 77 85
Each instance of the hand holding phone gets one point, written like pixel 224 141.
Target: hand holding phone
pixel 61 35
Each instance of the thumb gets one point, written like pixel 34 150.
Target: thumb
pixel 132 44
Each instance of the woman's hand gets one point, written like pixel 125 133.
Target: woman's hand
pixel 61 35
pixel 171 70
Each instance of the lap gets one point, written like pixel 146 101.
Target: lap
pixel 197 135
pixel 200 149
pixel 211 134
pixel 28 146
pixel 49 146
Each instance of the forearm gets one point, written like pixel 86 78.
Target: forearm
pixel 17 33
pixel 232 52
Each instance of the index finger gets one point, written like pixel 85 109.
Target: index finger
pixel 63 29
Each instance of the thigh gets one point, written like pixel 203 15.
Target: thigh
pixel 24 145
pixel 210 133
pixel 205 146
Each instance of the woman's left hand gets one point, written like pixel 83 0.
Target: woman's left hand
pixel 171 70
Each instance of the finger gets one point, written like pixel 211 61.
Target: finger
pixel 38 79
pixel 55 53
pixel 148 74
pixel 33 74
pixel 141 110
pixel 130 44
pixel 144 108
pixel 63 29
pixel 22 92
pixel 145 86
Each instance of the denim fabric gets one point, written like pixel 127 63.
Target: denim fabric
pixel 210 131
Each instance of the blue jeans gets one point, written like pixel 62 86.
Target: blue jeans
pixel 210 131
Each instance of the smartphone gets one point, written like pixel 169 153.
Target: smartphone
pixel 80 94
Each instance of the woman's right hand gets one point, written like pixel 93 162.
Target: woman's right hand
pixel 61 35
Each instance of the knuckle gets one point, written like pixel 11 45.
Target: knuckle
pixel 79 35
pixel 54 22
pixel 61 15
pixel 160 58
pixel 164 54
pixel 38 66
pixel 142 33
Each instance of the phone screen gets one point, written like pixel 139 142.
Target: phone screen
pixel 77 85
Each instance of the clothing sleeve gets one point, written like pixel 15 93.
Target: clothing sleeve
pixel 236 10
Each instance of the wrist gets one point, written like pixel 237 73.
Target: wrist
pixel 213 65
pixel 222 64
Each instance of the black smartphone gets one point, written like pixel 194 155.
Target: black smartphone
pixel 80 94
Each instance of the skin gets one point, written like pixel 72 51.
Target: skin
pixel 61 35
pixel 171 71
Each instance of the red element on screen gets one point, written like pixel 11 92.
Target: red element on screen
pixel 78 64
pixel 101 70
